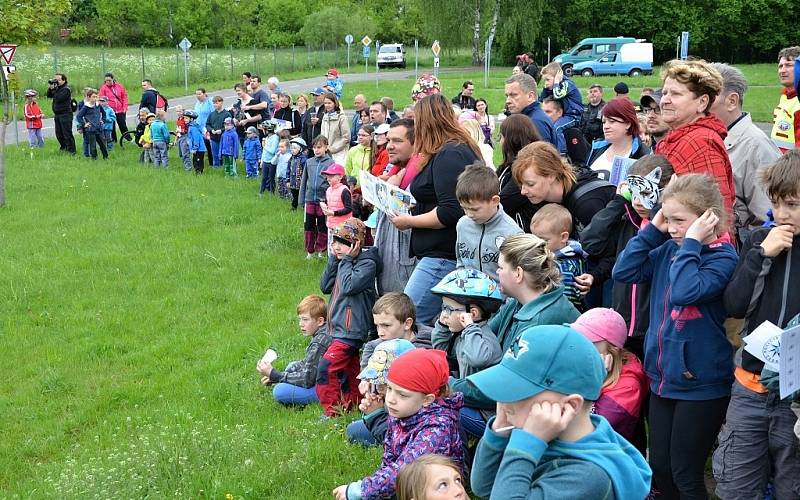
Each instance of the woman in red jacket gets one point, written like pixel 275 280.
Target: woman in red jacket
pixel 695 144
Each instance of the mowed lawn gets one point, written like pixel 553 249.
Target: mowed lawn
pixel 135 305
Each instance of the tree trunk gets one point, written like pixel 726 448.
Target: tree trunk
pixel 477 60
pixel 493 25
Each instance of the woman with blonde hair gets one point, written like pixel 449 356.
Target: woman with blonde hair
pixel 469 122
pixel 531 279
pixel 336 127
pixel 444 149
pixel 695 144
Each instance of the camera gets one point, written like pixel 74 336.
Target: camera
pixel 52 82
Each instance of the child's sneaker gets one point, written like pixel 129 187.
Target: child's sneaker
pixel 322 255
pixel 309 256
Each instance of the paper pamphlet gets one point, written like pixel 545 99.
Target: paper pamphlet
pixel 282 124
pixel 269 356
pixel 765 344
pixel 384 196
pixel 790 362
pixel 619 169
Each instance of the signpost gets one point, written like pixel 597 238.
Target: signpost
pixel 365 53
pixel 436 49
pixel 185 45
pixel 684 45
pixel 348 39
pixel 7 52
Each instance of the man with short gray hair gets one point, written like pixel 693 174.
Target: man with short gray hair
pixel 748 148
pixel 521 97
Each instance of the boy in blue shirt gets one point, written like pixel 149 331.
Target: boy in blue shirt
pixel 159 134
pixel 545 442
pixel 251 153
pixel 229 148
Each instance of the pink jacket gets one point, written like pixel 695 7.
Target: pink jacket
pixel 117 97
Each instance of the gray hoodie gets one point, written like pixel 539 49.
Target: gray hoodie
pixel 478 245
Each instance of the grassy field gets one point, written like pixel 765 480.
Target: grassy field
pixel 760 99
pixel 136 305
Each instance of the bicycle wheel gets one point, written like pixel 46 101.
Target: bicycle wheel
pixel 127 138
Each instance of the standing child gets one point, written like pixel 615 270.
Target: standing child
pixel 33 119
pixel 430 477
pixel 295 385
pixel 109 120
pixel 197 143
pixel 295 168
pixel 338 204
pixel 146 140
pixel 251 153
pixel 756 442
pixel 229 148
pixel 269 152
pixel 90 120
pixel 281 160
pixel 159 133
pixel 215 125
pixel 349 278
pixel 544 441
pixel 553 224
pixel 423 419
pixel 182 133
pixel 313 187
pixel 688 357
pixel 141 125
pixel 484 226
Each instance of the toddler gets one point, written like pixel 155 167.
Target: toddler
pixel 295 168
pixel 159 133
pixel 251 153
pixel 229 148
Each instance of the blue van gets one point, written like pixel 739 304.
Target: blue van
pixel 589 49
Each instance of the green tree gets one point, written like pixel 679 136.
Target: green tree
pixel 331 24
pixel 24 24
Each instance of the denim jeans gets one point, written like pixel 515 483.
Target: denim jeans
pixel 184 153
pixel 358 433
pixel 428 272
pixel 160 154
pixel 217 161
pixel 472 422
pixel 288 394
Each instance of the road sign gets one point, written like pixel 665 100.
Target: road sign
pixel 365 51
pixel 7 51
pixel 7 70
pixel 185 45
pixel 436 48
pixel 366 41
pixel 348 39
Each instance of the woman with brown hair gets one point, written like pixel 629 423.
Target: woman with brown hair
pixel 516 132
pixel 444 149
pixel 336 128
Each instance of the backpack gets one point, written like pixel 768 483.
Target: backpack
pixel 161 101
pixel 573 199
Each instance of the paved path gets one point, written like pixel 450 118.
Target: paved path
pixel 293 87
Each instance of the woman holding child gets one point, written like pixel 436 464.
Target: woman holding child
pixel 445 149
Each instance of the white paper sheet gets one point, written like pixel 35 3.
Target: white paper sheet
pixel 765 344
pixel 790 362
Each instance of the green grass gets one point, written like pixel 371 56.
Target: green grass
pixel 136 303
pixel 760 99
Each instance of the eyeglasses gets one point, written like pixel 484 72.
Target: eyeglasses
pixel 655 110
pixel 450 310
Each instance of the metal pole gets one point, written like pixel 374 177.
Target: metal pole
pixel 55 60
pixel 366 64
pixel 377 68
pixel 416 58
pixel 186 71
pixel 348 56
pixel 293 58
pixel 548 49
pixel 231 51
pixel 103 58
pixel 177 66
pixel 274 59
pixel 205 70
pixel 255 63
pixel 142 62
pixel 14 111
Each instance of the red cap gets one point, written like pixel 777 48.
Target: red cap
pixel 334 72
pixel 420 370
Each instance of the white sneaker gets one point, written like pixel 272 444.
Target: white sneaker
pixel 322 255
pixel 309 256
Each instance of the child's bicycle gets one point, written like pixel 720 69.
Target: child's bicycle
pixel 130 136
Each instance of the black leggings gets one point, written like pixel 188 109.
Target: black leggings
pixel 681 436
pixel 197 161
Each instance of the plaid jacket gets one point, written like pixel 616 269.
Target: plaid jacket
pixel 698 148
pixel 303 373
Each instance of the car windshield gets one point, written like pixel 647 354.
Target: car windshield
pixel 389 49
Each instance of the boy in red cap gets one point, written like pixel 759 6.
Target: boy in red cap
pixel 423 419
pixel 349 278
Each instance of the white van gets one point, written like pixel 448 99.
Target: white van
pixel 392 54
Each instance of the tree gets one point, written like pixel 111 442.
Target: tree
pixel 24 23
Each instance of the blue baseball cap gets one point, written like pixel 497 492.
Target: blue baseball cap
pixel 317 91
pixel 544 358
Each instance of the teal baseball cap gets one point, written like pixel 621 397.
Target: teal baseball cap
pixel 544 358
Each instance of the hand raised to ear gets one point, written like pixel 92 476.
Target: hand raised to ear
pixel 548 420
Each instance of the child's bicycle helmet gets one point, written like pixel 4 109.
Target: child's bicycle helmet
pixel 300 142
pixel 267 126
pixel 191 114
pixel 31 93
pixel 470 286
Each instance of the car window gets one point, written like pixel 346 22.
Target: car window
pixel 602 48
pixel 584 50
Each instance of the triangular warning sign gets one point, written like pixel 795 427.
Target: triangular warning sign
pixel 7 51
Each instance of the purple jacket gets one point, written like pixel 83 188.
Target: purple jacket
pixel 434 429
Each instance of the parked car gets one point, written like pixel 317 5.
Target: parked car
pixel 588 49
pixel 632 59
pixel 392 54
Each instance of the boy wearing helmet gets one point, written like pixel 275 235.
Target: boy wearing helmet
pixel 197 143
pixel 349 278
pixel 33 119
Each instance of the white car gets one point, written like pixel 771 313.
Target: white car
pixel 392 54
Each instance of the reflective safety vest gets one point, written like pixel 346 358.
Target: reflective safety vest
pixel 783 126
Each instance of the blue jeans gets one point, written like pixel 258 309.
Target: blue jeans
pixel 358 433
pixel 429 271
pixel 288 394
pixel 215 153
pixel 472 422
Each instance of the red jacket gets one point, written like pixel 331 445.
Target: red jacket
pixel 698 148
pixel 117 97
pixel 621 403
pixel 33 115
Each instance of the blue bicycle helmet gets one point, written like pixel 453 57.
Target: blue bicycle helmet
pixel 470 286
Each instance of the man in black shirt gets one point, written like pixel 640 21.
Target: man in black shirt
pixel 60 93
